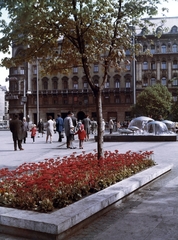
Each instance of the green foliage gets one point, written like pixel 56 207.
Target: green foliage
pixel 154 100
pixel 174 112
pixel 88 28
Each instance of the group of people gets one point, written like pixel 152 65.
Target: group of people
pixel 69 125
pixel 19 131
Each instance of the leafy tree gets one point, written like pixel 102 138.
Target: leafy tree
pixel 154 101
pixel 174 112
pixel 81 32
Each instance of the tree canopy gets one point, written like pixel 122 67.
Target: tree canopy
pixel 154 101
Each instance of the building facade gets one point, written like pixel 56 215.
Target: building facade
pixel 51 95
pixel 3 104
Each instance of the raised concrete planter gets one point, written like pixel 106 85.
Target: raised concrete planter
pixel 138 138
pixel 55 225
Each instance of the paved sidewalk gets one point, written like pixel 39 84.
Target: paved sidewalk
pixel 151 213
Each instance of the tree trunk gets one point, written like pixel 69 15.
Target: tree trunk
pixel 99 112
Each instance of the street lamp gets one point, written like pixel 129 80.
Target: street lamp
pixel 133 73
pixel 133 64
pixel 37 93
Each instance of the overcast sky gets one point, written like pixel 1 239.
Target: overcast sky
pixel 173 11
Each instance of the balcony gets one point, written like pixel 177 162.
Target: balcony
pixel 11 97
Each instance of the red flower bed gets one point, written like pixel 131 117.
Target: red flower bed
pixel 56 183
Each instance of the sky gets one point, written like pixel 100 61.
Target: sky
pixel 172 6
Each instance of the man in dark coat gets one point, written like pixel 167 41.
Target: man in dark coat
pixel 87 123
pixel 16 127
pixel 59 126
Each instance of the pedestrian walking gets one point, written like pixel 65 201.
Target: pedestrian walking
pixel 87 122
pixel 54 125
pixel 33 132
pixel 118 125
pixel 40 127
pixel 93 126
pixel 68 126
pixel 16 127
pixel 111 126
pixel 50 129
pixel 25 129
pixel 59 126
pixel 81 135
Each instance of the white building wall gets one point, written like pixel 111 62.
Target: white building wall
pixel 2 101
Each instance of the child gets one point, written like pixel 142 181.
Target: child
pixel 81 135
pixel 33 132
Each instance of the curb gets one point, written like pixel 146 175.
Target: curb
pixel 55 225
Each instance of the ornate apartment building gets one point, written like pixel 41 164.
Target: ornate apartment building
pixel 51 95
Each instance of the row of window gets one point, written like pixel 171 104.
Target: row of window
pixel 153 66
pixel 163 49
pixel 145 66
pixel 14 85
pixel 84 100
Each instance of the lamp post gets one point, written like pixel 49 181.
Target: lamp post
pixel 133 72
pixel 37 93
pixel 132 29
pixel 24 98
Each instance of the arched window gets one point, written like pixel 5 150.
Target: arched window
pixel 95 68
pixel 175 81
pixel 117 83
pixel 45 83
pixel 128 67
pixel 153 65
pixel 127 83
pixel 65 82
pixel 107 84
pixel 55 83
pixel 152 49
pixel 174 29
pixel 174 48
pixel 163 65
pixel 174 98
pixel 163 81
pixel 75 82
pixel 152 81
pixel 145 82
pixel 145 65
pixel 163 48
pixel 174 64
